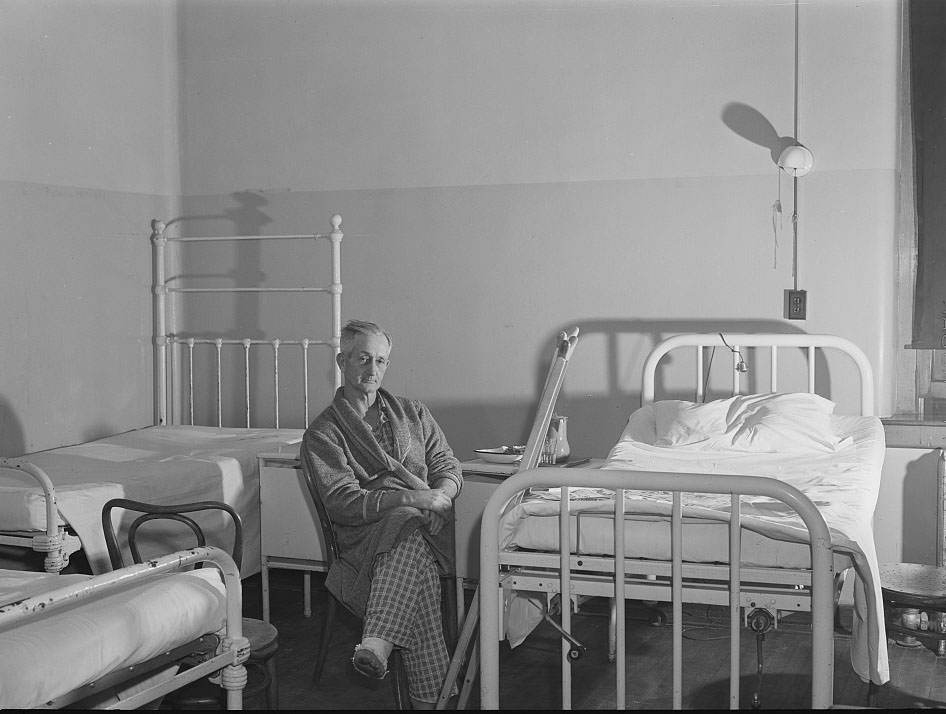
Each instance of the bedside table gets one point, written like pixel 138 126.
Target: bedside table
pixel 290 536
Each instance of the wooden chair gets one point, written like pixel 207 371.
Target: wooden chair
pixel 263 636
pixel 397 673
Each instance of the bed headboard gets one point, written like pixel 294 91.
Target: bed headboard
pixel 174 353
pixel 773 343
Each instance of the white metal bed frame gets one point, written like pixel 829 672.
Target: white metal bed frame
pixel 56 541
pixel 228 662
pixel 167 361
pixel 769 589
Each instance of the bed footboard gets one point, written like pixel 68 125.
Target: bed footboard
pixel 55 542
pixel 819 581
pixel 228 661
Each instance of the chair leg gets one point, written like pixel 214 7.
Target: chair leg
pixel 272 691
pixel 328 621
pixel 449 606
pixel 399 685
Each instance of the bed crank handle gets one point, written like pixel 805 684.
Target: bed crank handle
pixel 577 648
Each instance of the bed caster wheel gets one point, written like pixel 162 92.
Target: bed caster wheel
pixel 575 653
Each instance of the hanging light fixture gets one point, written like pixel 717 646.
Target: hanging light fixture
pixel 796 160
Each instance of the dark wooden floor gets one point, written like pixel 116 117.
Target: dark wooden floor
pixel 530 676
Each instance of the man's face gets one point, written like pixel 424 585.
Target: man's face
pixel 364 366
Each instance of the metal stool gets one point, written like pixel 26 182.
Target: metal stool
pixel 915 604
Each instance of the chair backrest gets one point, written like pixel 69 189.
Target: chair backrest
pixel 153 512
pixel 325 521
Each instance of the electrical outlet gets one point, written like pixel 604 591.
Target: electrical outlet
pixel 796 304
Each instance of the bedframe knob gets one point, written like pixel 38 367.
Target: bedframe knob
pixel 233 676
pixel 55 562
pixel 46 543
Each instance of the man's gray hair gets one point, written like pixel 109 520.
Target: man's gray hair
pixel 354 328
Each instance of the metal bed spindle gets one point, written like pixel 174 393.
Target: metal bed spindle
pixel 246 378
pixel 617 603
pixel 167 366
pixel 305 379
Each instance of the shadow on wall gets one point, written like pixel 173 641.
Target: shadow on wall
pixel 241 267
pixel 596 420
pixel 920 487
pixel 226 315
pixel 12 440
pixel 749 123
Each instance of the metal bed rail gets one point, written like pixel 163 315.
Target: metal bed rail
pixel 820 577
pixel 168 371
pixel 735 341
pixel 55 541
pixel 235 647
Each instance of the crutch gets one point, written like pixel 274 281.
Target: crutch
pixel 564 347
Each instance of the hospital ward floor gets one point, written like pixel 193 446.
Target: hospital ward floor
pixel 530 677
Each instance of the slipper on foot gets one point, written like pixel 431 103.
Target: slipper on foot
pixel 368 663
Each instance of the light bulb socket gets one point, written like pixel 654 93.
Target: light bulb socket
pixel 796 160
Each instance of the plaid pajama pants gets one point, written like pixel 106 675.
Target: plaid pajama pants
pixel 404 609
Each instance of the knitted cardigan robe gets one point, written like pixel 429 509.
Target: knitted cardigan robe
pixel 352 472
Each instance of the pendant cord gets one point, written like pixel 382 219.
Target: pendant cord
pixel 795 178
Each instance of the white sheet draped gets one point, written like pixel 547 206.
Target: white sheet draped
pixel 158 464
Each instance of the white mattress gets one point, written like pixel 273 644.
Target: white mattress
pixel 843 484
pixel 49 657
pixel 158 464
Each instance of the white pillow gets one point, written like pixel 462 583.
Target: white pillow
pixel 640 426
pixel 793 423
pixel 679 423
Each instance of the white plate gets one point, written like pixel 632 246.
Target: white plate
pixel 498 456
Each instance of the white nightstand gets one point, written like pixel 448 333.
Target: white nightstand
pixel 290 535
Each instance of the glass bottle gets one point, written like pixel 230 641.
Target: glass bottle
pixel 558 435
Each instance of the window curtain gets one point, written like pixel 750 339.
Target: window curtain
pixel 927 53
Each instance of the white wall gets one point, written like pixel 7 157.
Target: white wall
pixel 505 169
pixel 510 168
pixel 88 135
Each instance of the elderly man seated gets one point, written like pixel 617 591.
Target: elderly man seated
pixel 387 478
